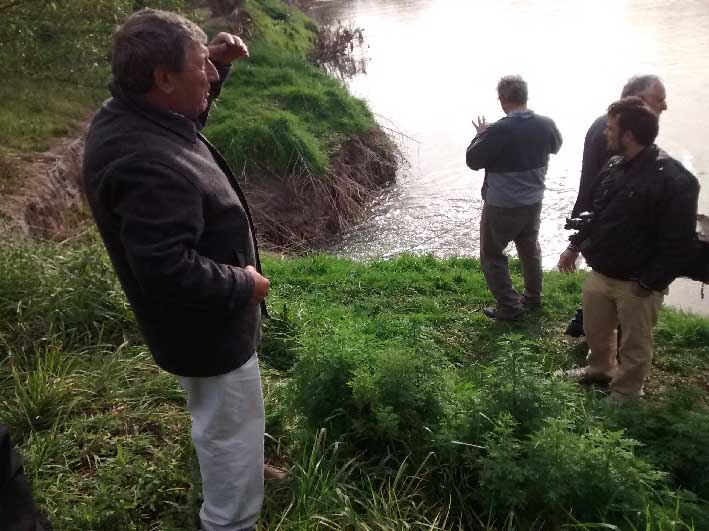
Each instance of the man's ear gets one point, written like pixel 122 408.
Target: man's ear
pixel 163 79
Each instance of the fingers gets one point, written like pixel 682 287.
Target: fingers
pixel 480 124
pixel 261 285
pixel 225 48
pixel 566 267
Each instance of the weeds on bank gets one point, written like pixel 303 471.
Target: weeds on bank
pixel 279 114
pixel 393 400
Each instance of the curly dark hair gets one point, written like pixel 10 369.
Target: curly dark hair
pixel 635 116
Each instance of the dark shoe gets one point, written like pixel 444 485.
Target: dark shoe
pixel 575 326
pixel 502 315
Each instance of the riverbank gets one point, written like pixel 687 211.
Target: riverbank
pixel 310 156
pixel 393 401
pixel 435 206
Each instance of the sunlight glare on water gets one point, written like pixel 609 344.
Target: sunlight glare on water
pixel 433 67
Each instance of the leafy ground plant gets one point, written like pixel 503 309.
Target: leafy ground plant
pixel 394 402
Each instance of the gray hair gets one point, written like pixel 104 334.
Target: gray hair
pixel 149 38
pixel 638 85
pixel 512 89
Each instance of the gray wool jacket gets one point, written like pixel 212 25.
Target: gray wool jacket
pixel 178 231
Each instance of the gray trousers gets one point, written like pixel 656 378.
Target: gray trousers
pixel 227 430
pixel 498 227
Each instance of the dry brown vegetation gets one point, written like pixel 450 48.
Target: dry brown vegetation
pixel 339 50
pixel 44 198
pixel 305 212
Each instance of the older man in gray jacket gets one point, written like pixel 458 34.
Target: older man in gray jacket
pixel 514 152
pixel 180 236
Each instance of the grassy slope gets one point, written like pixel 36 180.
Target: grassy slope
pixel 278 114
pixel 448 417
pixel 31 116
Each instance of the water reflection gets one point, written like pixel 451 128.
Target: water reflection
pixel 433 66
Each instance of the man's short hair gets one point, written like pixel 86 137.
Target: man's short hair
pixel 149 38
pixel 638 85
pixel 512 89
pixel 635 116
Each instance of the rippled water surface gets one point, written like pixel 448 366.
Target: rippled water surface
pixel 433 65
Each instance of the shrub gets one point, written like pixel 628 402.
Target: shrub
pixel 675 434
pixel 373 392
pixel 559 474
pixel 517 384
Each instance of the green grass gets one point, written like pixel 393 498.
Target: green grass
pixel 36 111
pixel 279 115
pixel 393 400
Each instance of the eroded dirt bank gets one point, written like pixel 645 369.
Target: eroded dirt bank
pixel 295 212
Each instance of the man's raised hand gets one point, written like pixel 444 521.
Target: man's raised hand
pixel 225 48
pixel 480 125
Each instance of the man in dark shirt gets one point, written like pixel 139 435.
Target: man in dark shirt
pixel 515 153
pixel 595 151
pixel 179 233
pixel 595 154
pixel 644 223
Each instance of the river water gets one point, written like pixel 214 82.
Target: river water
pixel 433 65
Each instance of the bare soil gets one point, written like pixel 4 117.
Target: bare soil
pixel 292 213
pixel 44 200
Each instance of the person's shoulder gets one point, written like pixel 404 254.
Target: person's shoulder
pixel 674 170
pixel 497 129
pixel 543 119
pixel 601 121
pixel 502 123
pixel 598 126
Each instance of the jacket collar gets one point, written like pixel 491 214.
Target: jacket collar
pixel 649 153
pixel 523 113
pixel 173 122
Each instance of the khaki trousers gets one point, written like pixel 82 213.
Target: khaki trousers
pixel 608 302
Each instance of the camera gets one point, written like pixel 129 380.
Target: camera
pixel 580 222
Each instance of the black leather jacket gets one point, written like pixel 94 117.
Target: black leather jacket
pixel 646 223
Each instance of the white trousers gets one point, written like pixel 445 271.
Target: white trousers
pixel 227 430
